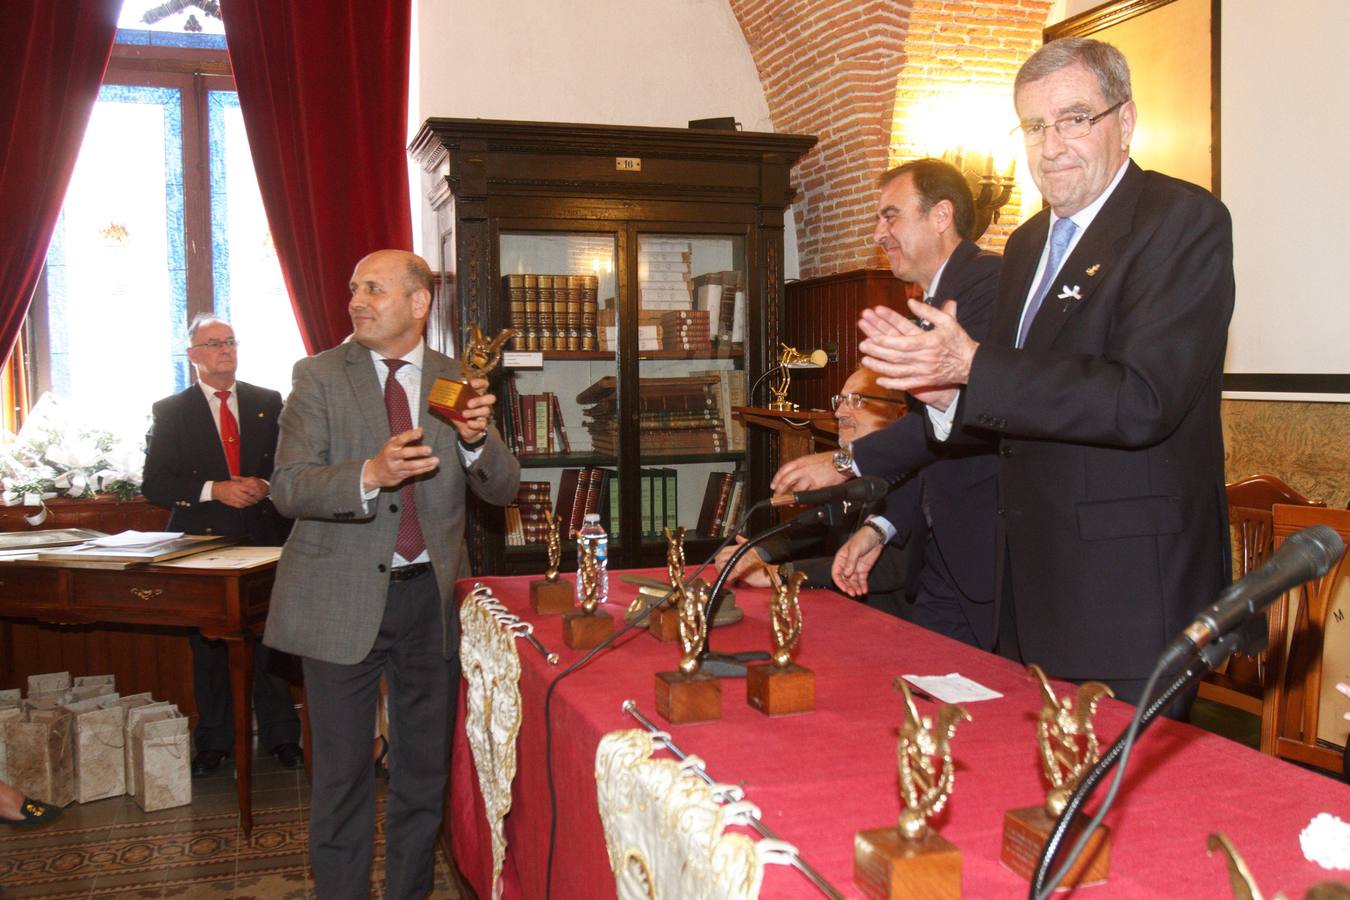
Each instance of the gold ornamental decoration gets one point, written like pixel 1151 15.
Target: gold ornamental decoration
pixel 1067 739
pixel 785 614
pixel 450 397
pixel 927 773
pixel 693 626
pixel 553 540
pixel 588 577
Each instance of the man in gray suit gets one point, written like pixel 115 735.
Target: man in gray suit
pixel 376 486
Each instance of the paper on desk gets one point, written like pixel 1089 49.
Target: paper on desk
pixel 226 558
pixel 952 688
pixel 129 540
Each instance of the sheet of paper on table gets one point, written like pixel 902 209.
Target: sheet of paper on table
pixel 129 540
pixel 227 558
pixel 952 688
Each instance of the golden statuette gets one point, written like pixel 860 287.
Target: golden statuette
pixel 927 773
pixel 450 397
pixel 693 626
pixel 675 557
pixel 553 539
pixel 588 577
pixel 1068 742
pixel 785 614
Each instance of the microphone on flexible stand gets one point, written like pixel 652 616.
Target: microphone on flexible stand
pixel 830 505
pixel 1305 556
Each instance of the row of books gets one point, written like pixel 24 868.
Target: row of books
pixel 525 522
pixel 675 415
pixel 553 312
pixel 587 490
pixel 723 504
pixel 532 424
pixel 722 296
pixel 663 274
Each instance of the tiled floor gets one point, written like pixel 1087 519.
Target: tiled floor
pixel 111 849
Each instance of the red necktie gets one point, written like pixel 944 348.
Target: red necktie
pixel 229 433
pixel 410 543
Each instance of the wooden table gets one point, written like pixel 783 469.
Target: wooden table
pixel 226 603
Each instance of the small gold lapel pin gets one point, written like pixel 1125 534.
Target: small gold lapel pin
pixel 1092 269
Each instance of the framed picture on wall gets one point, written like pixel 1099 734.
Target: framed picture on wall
pixel 1173 49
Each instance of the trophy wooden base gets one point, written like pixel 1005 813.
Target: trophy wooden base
pixel 664 625
pixel 1024 835
pixel 450 397
pixel 886 866
pixel 552 596
pixel 682 698
pixel 780 691
pixel 582 631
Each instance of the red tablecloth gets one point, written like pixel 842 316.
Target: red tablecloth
pixel 820 777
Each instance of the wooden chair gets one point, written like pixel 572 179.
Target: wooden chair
pixel 1293 695
pixel 1240 683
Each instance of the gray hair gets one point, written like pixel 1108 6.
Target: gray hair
pixel 1098 57
pixel 201 319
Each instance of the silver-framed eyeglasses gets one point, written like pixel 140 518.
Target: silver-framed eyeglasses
pixel 1069 127
pixel 856 400
pixel 231 343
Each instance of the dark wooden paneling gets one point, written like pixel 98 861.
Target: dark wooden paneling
pixel 822 311
pixel 143 658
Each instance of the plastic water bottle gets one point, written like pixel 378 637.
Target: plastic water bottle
pixel 593 533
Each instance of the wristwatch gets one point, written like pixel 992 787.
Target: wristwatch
pixel 843 461
pixel 482 439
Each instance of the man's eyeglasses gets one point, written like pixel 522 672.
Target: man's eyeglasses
pixel 217 345
pixel 1075 126
pixel 857 400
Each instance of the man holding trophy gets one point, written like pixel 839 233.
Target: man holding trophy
pixel 376 484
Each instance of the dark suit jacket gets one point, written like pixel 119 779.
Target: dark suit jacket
pixel 1111 489
pixel 957 484
pixel 333 577
pixel 183 452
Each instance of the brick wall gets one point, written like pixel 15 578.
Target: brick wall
pixel 853 73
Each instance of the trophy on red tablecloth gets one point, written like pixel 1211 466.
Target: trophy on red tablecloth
pixel 913 860
pixel 584 628
pixel 1069 749
pixel 449 396
pixel 781 687
pixel 551 594
pixel 689 695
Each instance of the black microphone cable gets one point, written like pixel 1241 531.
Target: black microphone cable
pixel 605 644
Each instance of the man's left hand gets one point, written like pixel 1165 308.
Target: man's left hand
pixel 476 416
pixel 908 358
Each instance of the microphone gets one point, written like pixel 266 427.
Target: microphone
pixel 857 490
pixel 1307 555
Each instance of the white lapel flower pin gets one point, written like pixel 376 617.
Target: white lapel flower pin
pixel 1070 293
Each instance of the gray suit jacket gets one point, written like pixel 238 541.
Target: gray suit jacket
pixel 333 576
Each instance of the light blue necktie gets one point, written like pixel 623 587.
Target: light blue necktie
pixel 1060 236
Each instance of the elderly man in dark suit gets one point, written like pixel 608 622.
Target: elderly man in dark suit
pixel 1099 382
pixel 364 587
pixel 925 222
pixel 209 455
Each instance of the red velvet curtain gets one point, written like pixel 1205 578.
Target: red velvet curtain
pixel 323 88
pixel 52 57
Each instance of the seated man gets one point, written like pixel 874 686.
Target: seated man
pixel 208 457
pixel 861 408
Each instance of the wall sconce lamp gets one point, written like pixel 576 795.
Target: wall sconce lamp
pixel 790 358
pixel 992 189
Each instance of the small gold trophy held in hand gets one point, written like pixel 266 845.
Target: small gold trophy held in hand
pixel 551 594
pixel 913 860
pixel 584 628
pixel 451 397
pixel 1068 749
pixel 689 694
pixel 782 687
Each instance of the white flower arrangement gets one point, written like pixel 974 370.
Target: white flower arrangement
pixel 54 455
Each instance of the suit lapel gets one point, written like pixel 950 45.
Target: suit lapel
pixel 251 437
pixel 1015 280
pixel 1090 263
pixel 202 426
pixel 947 285
pixel 366 389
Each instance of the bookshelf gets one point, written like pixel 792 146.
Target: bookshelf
pixel 649 297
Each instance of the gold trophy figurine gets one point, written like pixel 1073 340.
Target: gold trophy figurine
pixel 583 629
pixel 689 694
pixel 451 398
pixel 782 687
pixel 1068 749
pixel 664 624
pixel 913 860
pixel 551 594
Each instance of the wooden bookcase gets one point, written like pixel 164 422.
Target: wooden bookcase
pixel 565 199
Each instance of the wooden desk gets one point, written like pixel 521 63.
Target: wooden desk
pixel 799 432
pixel 226 603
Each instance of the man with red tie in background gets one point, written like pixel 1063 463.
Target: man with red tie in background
pixel 209 455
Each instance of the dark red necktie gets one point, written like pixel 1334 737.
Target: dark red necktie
pixel 229 433
pixel 410 543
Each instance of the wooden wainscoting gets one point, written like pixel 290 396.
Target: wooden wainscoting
pixel 822 311
pixel 143 658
